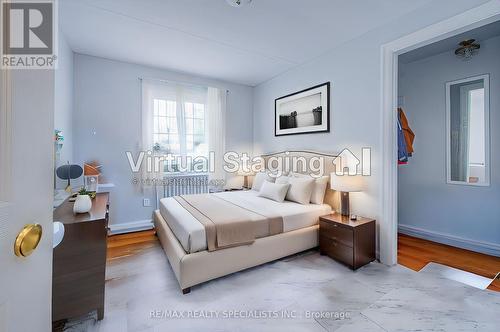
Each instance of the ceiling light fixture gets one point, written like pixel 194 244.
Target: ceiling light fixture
pixel 467 49
pixel 238 3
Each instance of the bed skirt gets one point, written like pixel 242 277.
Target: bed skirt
pixel 196 268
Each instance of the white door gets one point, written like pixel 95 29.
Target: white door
pixel 26 195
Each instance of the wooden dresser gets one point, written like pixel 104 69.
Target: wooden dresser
pixel 79 262
pixel 351 242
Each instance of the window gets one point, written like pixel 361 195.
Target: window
pixel 165 129
pixel 196 142
pixel 166 134
pixel 179 125
pixel 177 121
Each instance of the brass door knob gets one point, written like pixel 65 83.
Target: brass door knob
pixel 27 240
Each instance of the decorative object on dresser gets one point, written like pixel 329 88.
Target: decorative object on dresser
pixel 83 202
pixel 347 241
pixel 69 172
pixel 346 184
pixel 91 173
pixel 303 112
pixel 79 261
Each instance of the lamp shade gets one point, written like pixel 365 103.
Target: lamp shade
pixel 67 172
pixel 242 172
pixel 346 183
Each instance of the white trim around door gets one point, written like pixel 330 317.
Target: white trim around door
pixel 471 19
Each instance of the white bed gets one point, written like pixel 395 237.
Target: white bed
pixel 184 241
pixel 191 234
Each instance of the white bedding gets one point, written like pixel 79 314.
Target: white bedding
pixel 191 233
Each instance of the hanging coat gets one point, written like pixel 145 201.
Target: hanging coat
pixel 409 136
pixel 402 152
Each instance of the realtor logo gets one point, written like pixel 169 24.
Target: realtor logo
pixel 28 35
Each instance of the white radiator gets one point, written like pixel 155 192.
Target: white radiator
pixel 187 184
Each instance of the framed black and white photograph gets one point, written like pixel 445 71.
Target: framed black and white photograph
pixel 303 112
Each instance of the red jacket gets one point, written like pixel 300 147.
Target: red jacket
pixel 408 133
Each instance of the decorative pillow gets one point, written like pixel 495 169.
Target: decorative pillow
pixel 282 180
pixel 259 180
pixel 274 191
pixel 318 194
pixel 300 190
pixel 320 184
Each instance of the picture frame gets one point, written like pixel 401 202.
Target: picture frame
pixel 303 112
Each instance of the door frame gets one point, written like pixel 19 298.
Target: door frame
pixel 471 19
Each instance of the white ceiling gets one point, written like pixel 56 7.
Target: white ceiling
pixel 246 45
pixel 450 44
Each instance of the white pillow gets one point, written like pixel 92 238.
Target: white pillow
pixel 274 191
pixel 318 194
pixel 282 180
pixel 300 190
pixel 260 178
pixel 320 185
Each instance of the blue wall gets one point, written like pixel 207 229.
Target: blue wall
pixel 468 216
pixel 108 100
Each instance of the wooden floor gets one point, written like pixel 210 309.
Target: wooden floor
pixel 413 253
pixel 123 245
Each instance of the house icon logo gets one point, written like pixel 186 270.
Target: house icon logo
pixel 346 163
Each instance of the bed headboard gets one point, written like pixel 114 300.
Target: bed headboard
pixel 311 158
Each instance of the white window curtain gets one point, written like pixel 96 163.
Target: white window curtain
pixel 149 89
pixel 216 107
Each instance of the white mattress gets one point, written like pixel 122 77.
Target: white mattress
pixel 191 233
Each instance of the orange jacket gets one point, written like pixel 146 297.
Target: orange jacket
pixel 408 133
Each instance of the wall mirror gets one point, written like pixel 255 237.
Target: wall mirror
pixel 468 134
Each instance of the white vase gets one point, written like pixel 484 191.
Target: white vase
pixel 83 204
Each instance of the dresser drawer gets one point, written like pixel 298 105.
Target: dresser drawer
pixel 336 250
pixel 338 233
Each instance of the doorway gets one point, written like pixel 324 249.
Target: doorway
pixel 474 18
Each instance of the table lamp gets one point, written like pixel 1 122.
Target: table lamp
pixel 245 177
pixel 69 172
pixel 346 184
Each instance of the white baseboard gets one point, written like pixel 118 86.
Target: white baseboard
pixel 452 240
pixel 135 226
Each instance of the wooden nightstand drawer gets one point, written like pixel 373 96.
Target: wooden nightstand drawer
pixel 336 232
pixel 336 250
pixel 351 242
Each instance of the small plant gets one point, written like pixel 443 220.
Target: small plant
pixel 83 191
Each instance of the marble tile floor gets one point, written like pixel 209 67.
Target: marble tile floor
pixel 305 292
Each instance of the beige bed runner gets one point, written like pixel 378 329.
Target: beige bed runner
pixel 227 224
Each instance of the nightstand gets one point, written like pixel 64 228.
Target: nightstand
pixel 351 242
